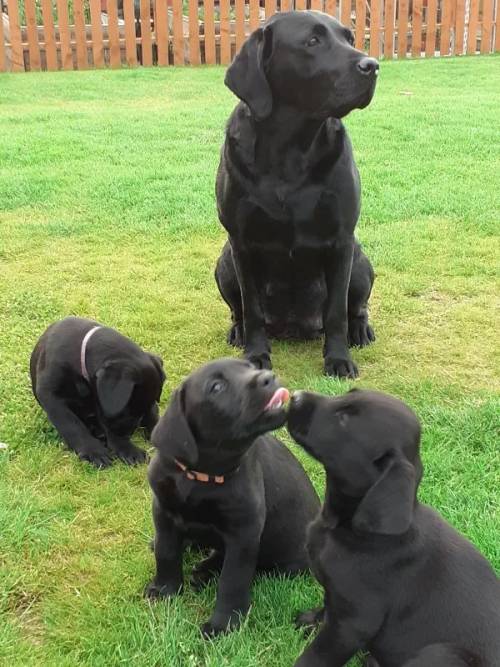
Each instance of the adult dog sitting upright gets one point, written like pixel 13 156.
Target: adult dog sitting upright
pixel 96 387
pixel 288 191
pixel 252 500
pixel 399 581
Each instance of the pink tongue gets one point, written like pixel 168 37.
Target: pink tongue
pixel 279 397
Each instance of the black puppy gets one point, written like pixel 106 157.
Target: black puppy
pixel 249 498
pixel 96 387
pixel 288 191
pixel 397 577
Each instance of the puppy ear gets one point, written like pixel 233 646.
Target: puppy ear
pixel 246 77
pixel 158 364
pixel 387 507
pixel 115 383
pixel 172 435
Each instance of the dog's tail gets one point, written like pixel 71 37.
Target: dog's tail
pixel 444 655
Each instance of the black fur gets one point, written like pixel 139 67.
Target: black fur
pixel 288 191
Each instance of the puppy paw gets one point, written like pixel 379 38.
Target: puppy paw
pixel 214 627
pixel 155 591
pixel 235 335
pixel 361 333
pixel 260 361
pixel 341 368
pixel 309 620
pixel 96 454
pixel 131 455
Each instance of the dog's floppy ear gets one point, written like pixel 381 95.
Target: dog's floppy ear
pixel 172 435
pixel 158 364
pixel 246 77
pixel 387 507
pixel 115 382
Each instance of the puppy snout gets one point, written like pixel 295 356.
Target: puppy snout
pixel 368 66
pixel 297 397
pixel 265 379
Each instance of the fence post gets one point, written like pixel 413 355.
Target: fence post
pixel 49 35
pixel 17 57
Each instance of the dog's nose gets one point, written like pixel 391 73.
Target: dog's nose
pixel 368 66
pixel 265 378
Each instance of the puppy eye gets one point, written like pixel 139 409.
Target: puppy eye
pixel 216 387
pixel 314 41
pixel 350 38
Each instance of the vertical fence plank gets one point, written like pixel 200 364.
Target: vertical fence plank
pixel 300 4
pixel 17 56
pixel 32 32
pixel 80 36
pixel 317 5
pixel 389 18
pixel 430 39
pixel 49 36
pixel 472 31
pixel 487 26
pixel 254 15
pixel 269 8
pixel 64 35
pixel 194 33
pixel 225 29
pixel 360 24
pixel 114 35
pixel 403 28
pixel 3 59
pixel 331 7
pixel 375 29
pixel 178 30
pixel 459 28
pixel 146 38
pixel 96 28
pixel 345 12
pixel 240 23
pixel 416 29
pixel 497 28
pixel 286 5
pixel 444 42
pixel 210 54
pixel 130 43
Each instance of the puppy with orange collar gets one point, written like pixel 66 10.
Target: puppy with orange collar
pixel 221 481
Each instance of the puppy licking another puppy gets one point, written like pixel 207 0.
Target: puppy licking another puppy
pixel 399 581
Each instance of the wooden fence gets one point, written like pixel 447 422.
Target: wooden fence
pixel 80 34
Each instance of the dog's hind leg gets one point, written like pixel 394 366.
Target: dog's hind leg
pixel 360 287
pixel 227 282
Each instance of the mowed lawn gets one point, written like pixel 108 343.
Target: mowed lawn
pixel 107 210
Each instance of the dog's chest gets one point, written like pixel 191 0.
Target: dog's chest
pixel 281 215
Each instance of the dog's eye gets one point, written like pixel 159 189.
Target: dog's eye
pixel 216 387
pixel 314 41
pixel 350 38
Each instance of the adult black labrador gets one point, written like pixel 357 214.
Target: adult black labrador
pixel 220 481
pixel 398 579
pixel 97 387
pixel 288 191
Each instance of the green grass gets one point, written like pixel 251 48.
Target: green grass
pixel 107 210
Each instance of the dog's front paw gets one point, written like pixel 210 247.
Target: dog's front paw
pixel 341 367
pixel 130 454
pixel 309 620
pixel 260 361
pixel 361 333
pixel 217 626
pixel 156 591
pixel 235 335
pixel 96 453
